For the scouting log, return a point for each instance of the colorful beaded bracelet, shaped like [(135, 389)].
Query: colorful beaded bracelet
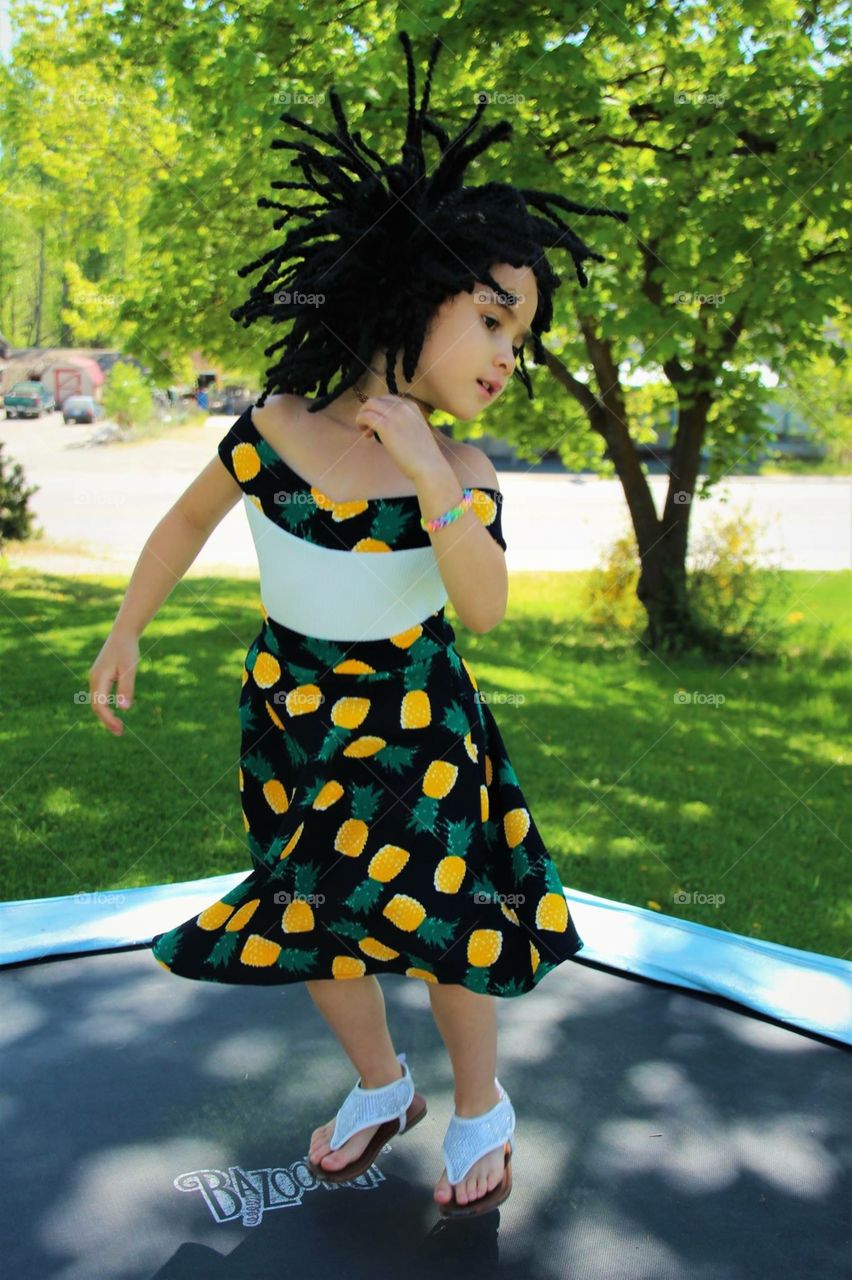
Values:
[(449, 516)]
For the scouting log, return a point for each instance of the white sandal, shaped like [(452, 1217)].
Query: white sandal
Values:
[(397, 1104), (467, 1140)]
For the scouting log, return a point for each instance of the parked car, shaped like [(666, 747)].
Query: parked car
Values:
[(237, 399), (81, 409), (28, 400)]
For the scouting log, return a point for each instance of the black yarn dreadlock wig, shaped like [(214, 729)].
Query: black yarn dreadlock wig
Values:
[(389, 243)]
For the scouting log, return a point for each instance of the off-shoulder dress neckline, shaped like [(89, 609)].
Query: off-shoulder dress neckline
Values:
[(397, 497)]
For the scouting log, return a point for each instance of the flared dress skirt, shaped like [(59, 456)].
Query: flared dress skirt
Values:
[(387, 829)]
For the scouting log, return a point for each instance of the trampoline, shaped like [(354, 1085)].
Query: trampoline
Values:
[(681, 1095)]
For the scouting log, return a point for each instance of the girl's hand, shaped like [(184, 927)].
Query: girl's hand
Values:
[(403, 431), (117, 660)]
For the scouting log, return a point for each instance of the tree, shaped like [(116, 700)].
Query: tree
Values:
[(721, 129)]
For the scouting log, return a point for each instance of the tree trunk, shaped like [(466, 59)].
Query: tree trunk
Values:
[(672, 627)]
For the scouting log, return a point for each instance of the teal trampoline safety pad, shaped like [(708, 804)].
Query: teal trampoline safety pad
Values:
[(802, 989)]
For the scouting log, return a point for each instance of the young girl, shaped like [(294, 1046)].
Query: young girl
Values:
[(386, 827)]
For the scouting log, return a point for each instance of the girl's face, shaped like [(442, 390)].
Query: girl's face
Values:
[(471, 337)]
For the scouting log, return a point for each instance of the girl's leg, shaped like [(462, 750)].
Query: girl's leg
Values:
[(355, 1010), (467, 1022)]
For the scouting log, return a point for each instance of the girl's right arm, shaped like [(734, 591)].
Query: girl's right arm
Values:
[(170, 550)]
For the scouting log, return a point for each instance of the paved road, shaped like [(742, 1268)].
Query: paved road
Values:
[(98, 505)]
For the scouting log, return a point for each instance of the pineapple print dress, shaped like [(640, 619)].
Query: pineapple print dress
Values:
[(386, 827)]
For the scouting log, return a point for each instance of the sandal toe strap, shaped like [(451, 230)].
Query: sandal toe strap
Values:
[(363, 1108), (469, 1138)]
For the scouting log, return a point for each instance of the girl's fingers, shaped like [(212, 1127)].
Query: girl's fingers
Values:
[(99, 691)]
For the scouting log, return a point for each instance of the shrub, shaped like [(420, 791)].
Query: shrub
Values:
[(16, 518)]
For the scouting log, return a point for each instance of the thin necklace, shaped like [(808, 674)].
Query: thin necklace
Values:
[(360, 394)]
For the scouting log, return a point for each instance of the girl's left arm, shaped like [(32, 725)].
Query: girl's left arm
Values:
[(471, 562)]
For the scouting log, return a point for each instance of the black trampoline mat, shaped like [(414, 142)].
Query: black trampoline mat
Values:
[(157, 1127)]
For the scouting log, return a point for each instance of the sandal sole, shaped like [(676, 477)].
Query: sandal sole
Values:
[(415, 1113)]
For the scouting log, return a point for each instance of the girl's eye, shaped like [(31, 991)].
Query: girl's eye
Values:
[(516, 351)]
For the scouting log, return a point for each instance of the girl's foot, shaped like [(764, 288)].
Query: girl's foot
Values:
[(482, 1177), (320, 1149)]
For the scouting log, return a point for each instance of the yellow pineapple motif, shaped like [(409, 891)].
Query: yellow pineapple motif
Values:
[(469, 671), (534, 956), (439, 779), (351, 835), (509, 913), (273, 714), (516, 824), (347, 967), (483, 947), (246, 461), (387, 863), (367, 745), (371, 544), (449, 874), (421, 973), (489, 770), (275, 796), (259, 952), (552, 913), (470, 747), (245, 676), (353, 667), (266, 670), (246, 823), (242, 777), (377, 950), (303, 700), (298, 917), (484, 506), (451, 870), (346, 510), (350, 712), (404, 911), (329, 795), (415, 711), (215, 916), (242, 917), (292, 842), (484, 804), (405, 639)]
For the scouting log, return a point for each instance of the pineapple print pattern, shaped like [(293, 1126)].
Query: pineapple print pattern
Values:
[(385, 824)]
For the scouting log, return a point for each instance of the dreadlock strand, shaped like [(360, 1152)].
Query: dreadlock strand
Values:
[(388, 244)]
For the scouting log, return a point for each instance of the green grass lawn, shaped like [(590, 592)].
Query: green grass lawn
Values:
[(640, 795)]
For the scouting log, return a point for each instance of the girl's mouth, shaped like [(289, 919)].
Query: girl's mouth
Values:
[(488, 391)]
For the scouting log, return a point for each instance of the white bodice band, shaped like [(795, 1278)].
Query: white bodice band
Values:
[(342, 595)]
